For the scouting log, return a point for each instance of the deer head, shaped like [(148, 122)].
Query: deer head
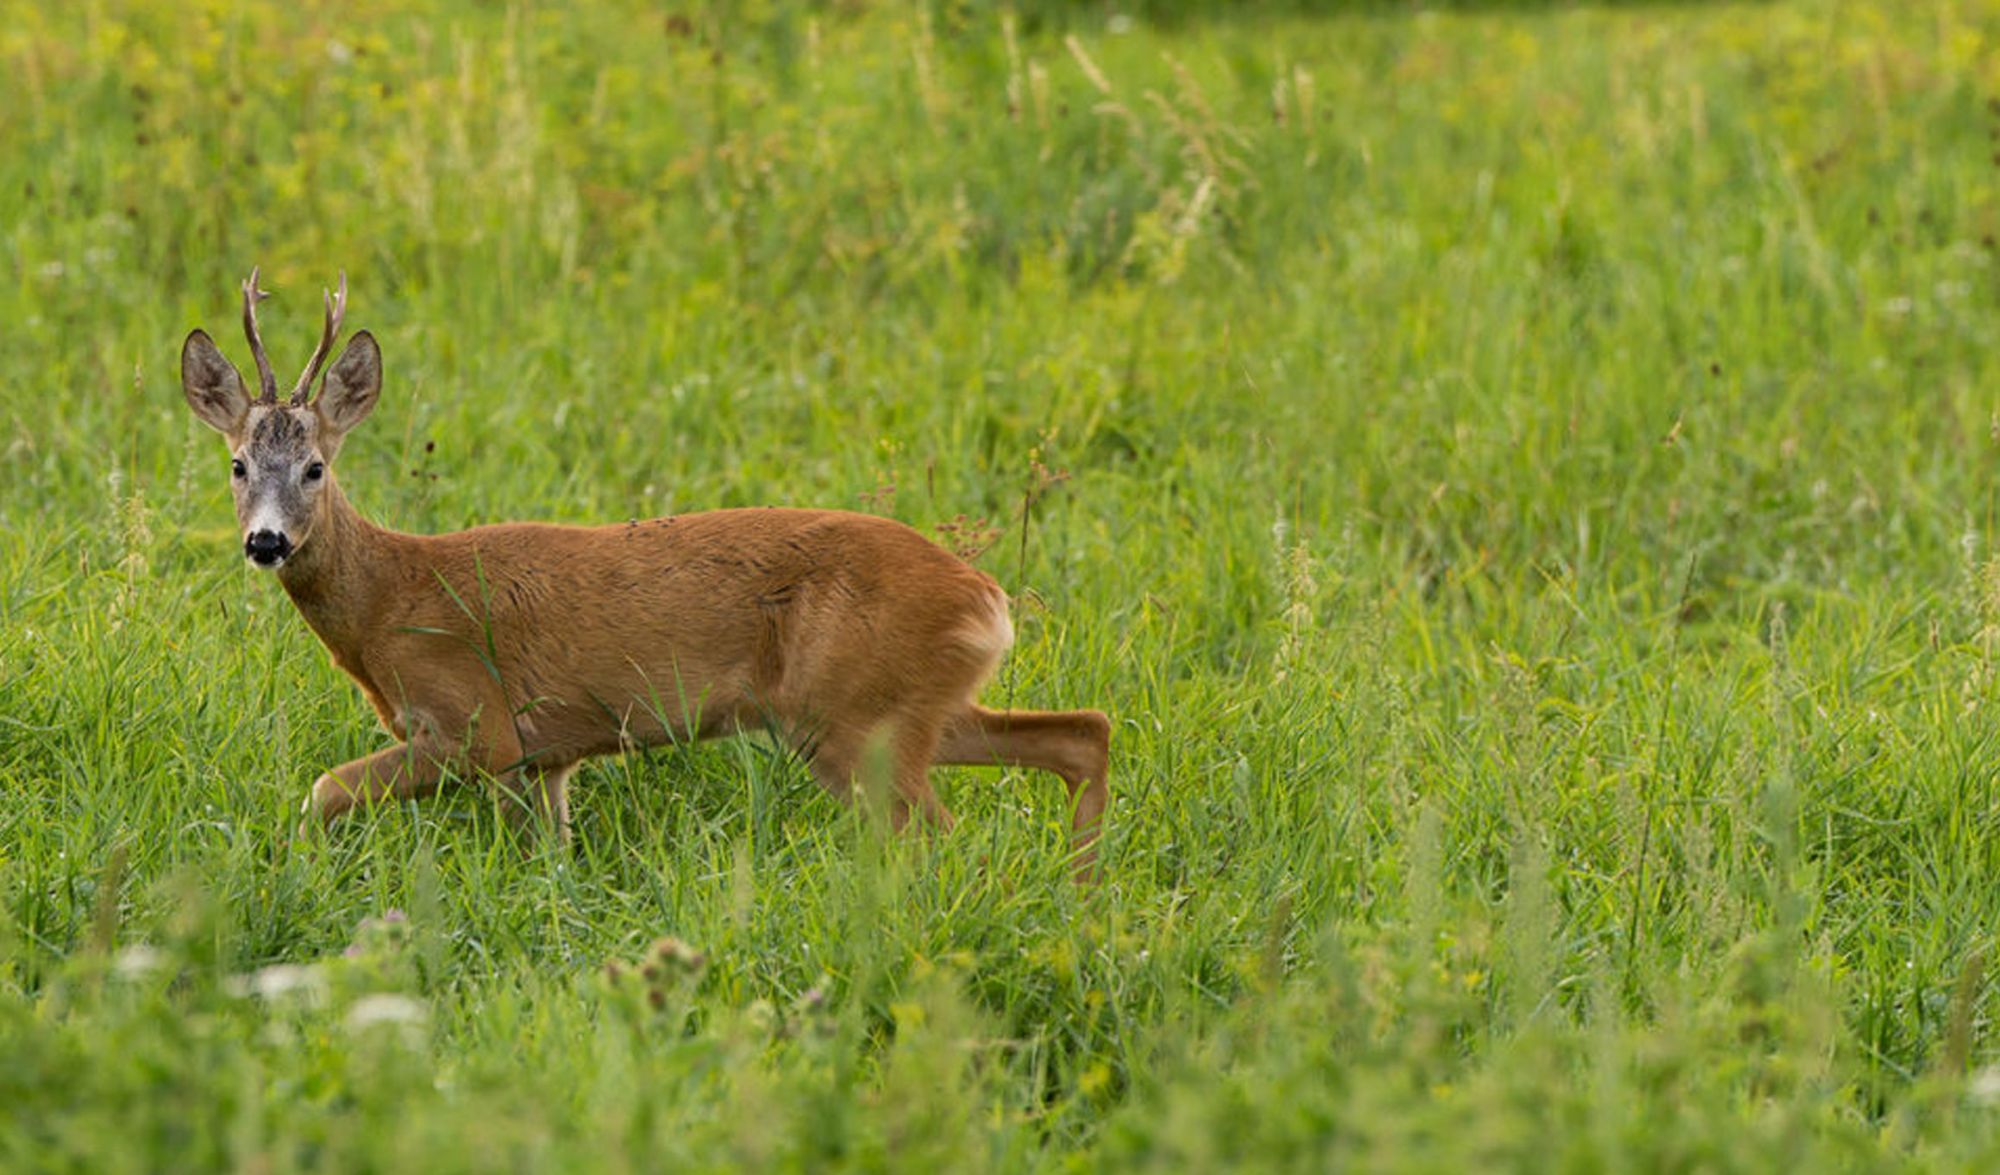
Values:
[(280, 452)]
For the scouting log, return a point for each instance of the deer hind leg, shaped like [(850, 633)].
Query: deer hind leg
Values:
[(912, 750), (1074, 744), (911, 744)]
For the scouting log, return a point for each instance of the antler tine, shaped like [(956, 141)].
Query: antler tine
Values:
[(336, 309), (267, 378)]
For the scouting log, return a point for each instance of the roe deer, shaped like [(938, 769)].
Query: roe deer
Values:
[(518, 649)]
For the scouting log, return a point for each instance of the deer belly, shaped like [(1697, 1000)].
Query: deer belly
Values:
[(632, 714)]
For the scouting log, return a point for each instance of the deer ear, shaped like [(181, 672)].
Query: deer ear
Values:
[(213, 388), (351, 387)]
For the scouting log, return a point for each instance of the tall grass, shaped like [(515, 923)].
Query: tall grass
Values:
[(1520, 477)]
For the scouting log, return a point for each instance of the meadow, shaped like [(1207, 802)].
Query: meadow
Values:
[(1520, 477)]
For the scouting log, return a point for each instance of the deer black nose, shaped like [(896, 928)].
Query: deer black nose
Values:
[(266, 548)]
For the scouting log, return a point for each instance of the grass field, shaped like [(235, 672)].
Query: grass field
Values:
[(1522, 479)]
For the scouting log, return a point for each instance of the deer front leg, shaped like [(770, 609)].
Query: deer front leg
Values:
[(406, 771), (442, 738), (538, 797)]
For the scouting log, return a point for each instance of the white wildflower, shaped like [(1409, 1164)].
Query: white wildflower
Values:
[(407, 1017), (137, 961), (282, 982)]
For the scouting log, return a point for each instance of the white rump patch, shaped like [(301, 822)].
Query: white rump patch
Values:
[(992, 633)]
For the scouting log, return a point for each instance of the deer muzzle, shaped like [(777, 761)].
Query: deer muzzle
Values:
[(266, 548)]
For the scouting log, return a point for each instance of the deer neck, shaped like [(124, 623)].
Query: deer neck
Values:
[(336, 577)]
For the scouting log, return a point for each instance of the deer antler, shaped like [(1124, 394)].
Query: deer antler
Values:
[(336, 309), (265, 376)]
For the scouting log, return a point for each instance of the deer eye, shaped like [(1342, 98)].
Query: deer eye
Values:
[(236, 469), (315, 471)]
